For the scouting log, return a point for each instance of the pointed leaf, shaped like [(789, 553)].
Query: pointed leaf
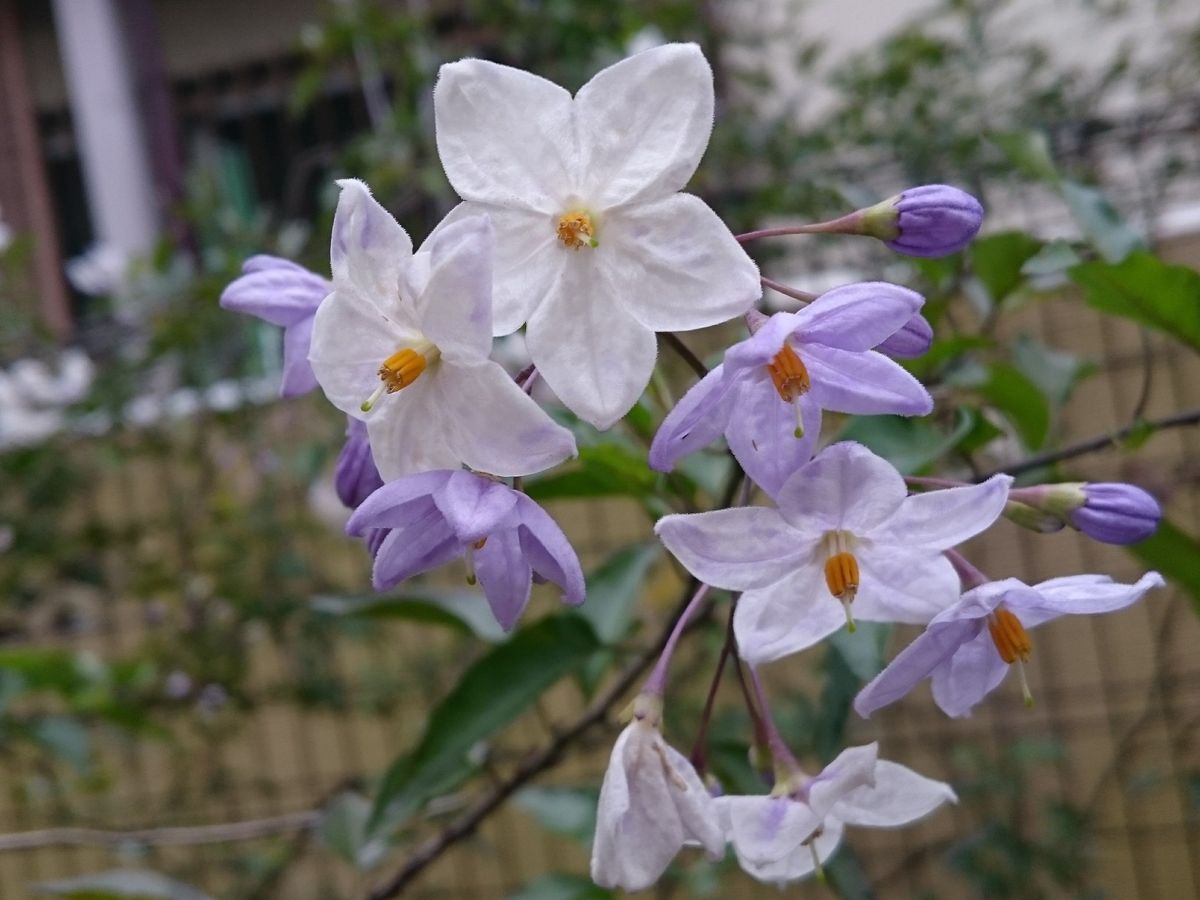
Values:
[(1147, 290)]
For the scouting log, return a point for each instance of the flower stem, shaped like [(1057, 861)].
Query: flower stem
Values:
[(779, 749), (780, 287), (673, 341), (847, 224), (698, 758), (970, 576), (658, 678)]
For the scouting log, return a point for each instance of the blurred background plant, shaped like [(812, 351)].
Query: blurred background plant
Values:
[(190, 655)]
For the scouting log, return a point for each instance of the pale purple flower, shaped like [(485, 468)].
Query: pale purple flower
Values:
[(844, 530), (930, 220), (789, 834), (285, 294), (768, 394), (652, 803), (969, 648), (1116, 513), (355, 476), (434, 517)]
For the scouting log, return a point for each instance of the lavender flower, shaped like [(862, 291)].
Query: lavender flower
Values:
[(911, 341), (1116, 513), (285, 294), (930, 220), (433, 517), (968, 648), (355, 476), (768, 394)]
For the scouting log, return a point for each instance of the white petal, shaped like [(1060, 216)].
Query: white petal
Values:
[(739, 548), (799, 864), (899, 796), (768, 829), (368, 248), (970, 675), (505, 136), (406, 432), (350, 340), (527, 260), (675, 266), (899, 586), (592, 353), (695, 805), (455, 306), (1080, 595), (493, 426), (849, 771), (643, 124), (846, 486), (786, 617), (938, 520)]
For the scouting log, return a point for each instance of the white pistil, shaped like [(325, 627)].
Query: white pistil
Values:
[(469, 559), (799, 432), (369, 403), (1025, 692)]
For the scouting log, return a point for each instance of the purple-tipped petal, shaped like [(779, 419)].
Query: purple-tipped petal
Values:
[(355, 476), (857, 317), (388, 507), (911, 341), (696, 421), (935, 220), (275, 290), (549, 551), (420, 544), (474, 506), (1116, 513), (863, 383), (504, 575)]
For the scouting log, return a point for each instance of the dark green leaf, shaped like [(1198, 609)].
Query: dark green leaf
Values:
[(613, 591), (1028, 152), (121, 884), (603, 470), (491, 693), (1011, 392), (909, 444), (343, 828), (997, 260), (1173, 552), (1147, 290), (1053, 259), (562, 810), (1100, 222), (863, 650), (847, 876), (465, 611), (1054, 372)]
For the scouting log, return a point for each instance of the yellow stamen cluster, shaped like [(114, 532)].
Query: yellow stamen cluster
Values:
[(841, 570), (401, 369), (575, 229), (789, 374), (1009, 636)]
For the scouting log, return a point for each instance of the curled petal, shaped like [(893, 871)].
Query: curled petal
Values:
[(1079, 595), (275, 290), (424, 542), (549, 551), (474, 506), (388, 507), (911, 341), (800, 864), (697, 420), (760, 348), (857, 317), (851, 770), (505, 576), (765, 829), (898, 797)]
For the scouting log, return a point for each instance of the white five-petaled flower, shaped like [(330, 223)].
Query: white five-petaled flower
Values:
[(652, 802), (787, 835), (844, 530), (403, 342), (595, 247)]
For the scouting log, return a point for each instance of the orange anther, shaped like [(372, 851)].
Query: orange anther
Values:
[(401, 369), (1009, 636), (841, 575), (789, 374)]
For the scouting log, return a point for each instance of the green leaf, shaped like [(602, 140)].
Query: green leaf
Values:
[(909, 444), (613, 590), (1173, 552), (343, 828), (560, 886), (121, 884), (997, 260), (569, 811), (463, 611), (1028, 152), (1021, 401), (1054, 372), (603, 470), (847, 875), (1053, 259), (1147, 290), (64, 737), (491, 693), (1100, 222), (863, 650)]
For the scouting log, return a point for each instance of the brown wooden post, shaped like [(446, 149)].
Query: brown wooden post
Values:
[(24, 192)]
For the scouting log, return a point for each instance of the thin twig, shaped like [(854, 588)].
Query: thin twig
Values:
[(222, 833), (794, 293), (673, 341), (1091, 445)]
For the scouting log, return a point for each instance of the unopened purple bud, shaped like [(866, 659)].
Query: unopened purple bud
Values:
[(355, 476), (1116, 513), (930, 220), (911, 341)]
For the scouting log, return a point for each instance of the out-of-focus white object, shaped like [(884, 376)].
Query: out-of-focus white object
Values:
[(34, 394), (103, 271)]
